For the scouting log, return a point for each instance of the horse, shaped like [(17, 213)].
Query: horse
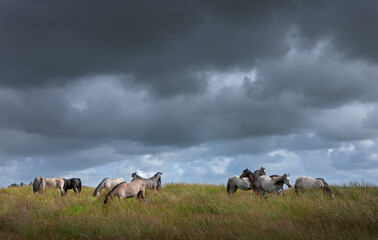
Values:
[(281, 190), (306, 183), (40, 183), (260, 172), (273, 185), (73, 183), (252, 178), (128, 190), (153, 182), (236, 182), (107, 183)]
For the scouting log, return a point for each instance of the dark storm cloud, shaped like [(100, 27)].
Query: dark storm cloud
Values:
[(88, 83), (160, 43), (163, 43), (349, 23)]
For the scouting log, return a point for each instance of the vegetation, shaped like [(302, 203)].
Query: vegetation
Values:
[(190, 211)]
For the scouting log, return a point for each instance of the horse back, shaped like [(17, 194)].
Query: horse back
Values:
[(308, 183), (137, 186)]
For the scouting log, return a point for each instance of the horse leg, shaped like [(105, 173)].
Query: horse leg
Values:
[(256, 190), (262, 192), (143, 195)]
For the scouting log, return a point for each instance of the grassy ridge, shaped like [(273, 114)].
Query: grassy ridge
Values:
[(187, 211)]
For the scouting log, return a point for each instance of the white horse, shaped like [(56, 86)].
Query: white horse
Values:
[(236, 182), (307, 183), (273, 185), (40, 183), (108, 184)]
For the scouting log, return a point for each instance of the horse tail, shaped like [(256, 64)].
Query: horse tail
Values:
[(99, 187), (38, 181), (65, 187), (80, 185), (326, 187), (228, 187), (111, 192), (158, 183)]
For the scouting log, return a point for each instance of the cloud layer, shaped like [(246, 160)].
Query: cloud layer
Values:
[(198, 90)]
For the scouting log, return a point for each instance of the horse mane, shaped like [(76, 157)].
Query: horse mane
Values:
[(326, 186), (249, 173), (98, 187), (280, 180), (37, 183), (111, 192), (136, 176)]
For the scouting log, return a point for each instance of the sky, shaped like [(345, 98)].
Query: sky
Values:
[(199, 90)]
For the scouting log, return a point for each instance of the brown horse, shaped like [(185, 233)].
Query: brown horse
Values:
[(128, 190), (253, 178)]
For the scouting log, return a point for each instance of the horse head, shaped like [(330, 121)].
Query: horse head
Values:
[(245, 173), (287, 180)]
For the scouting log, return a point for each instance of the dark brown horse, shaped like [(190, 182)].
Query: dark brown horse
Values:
[(253, 178)]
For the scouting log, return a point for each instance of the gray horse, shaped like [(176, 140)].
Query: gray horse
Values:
[(236, 182), (40, 183), (273, 185), (307, 183), (152, 182), (107, 183)]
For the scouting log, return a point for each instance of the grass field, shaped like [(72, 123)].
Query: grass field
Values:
[(190, 211)]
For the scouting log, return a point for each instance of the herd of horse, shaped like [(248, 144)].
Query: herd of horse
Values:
[(261, 183), (119, 187), (258, 181)]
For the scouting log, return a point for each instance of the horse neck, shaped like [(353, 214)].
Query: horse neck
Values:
[(326, 186), (101, 185), (155, 177), (252, 176), (258, 172), (280, 181)]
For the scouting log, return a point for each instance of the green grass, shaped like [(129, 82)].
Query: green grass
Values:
[(191, 211)]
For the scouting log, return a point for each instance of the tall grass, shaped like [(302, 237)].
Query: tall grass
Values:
[(191, 211)]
